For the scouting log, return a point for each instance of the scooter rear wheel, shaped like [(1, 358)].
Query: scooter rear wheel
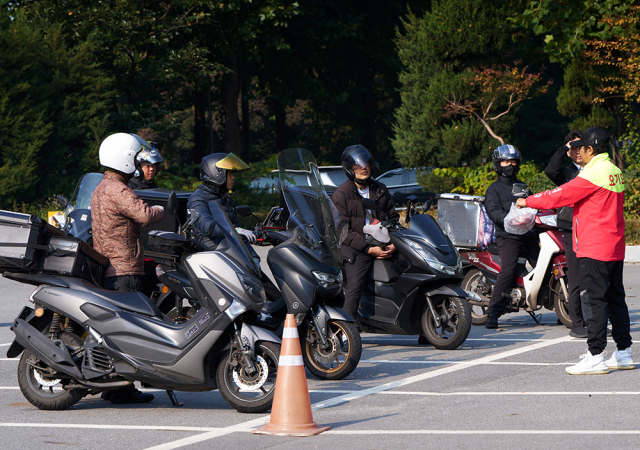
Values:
[(471, 283), (455, 323), (44, 390)]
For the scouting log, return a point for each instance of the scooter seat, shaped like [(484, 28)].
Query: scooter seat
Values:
[(129, 301)]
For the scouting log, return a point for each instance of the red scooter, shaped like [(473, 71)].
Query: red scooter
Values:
[(544, 286)]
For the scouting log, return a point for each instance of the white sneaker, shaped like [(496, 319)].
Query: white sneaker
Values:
[(589, 365), (621, 360)]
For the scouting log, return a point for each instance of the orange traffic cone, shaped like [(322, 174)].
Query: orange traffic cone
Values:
[(291, 411)]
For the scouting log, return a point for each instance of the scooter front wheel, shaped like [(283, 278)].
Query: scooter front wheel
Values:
[(249, 392), (454, 315), (341, 355)]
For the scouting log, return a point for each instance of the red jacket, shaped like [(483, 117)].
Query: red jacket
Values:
[(597, 195)]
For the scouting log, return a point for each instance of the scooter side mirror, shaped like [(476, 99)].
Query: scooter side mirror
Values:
[(172, 203), (64, 202), (520, 190), (427, 206), (244, 211)]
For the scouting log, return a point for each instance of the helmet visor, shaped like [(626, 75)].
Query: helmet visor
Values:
[(149, 156), (232, 162), (360, 159)]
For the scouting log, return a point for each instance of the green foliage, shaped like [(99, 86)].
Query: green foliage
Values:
[(630, 152), (438, 52), (53, 106), (566, 24), (476, 180)]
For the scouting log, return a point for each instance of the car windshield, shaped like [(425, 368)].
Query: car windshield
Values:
[(315, 224)]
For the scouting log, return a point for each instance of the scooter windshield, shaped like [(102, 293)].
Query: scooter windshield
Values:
[(234, 241), (314, 222), (81, 198)]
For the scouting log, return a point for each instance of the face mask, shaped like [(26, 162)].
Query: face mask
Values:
[(510, 171)]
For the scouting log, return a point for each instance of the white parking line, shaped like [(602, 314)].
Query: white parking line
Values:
[(4, 345), (363, 393), (480, 394), (382, 361), (522, 432), (109, 427)]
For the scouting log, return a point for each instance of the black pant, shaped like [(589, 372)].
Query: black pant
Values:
[(579, 311), (602, 288), (509, 251), (355, 280), (124, 283)]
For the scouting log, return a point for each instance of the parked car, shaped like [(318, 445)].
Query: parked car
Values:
[(332, 177), (402, 183)]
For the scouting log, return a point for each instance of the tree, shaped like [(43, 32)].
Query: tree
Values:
[(53, 106), (491, 86), (443, 52)]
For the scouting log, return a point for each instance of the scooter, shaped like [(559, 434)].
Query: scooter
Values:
[(305, 263), (79, 339), (416, 290), (544, 286)]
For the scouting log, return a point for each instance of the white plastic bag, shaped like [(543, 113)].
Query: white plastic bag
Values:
[(519, 220)]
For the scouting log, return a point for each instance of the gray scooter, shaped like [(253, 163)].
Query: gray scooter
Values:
[(128, 339)]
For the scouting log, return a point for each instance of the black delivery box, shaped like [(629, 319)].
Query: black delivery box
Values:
[(23, 238), (73, 257)]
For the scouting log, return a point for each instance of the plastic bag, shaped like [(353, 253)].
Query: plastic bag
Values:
[(519, 220), (486, 229)]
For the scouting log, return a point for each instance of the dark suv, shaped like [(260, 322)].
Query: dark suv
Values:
[(402, 183)]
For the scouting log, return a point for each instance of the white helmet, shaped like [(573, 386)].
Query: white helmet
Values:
[(119, 151)]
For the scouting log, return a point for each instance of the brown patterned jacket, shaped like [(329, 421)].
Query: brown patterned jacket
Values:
[(116, 215)]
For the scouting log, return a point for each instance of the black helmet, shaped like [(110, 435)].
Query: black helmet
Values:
[(357, 155), (213, 168), (151, 156), (504, 153)]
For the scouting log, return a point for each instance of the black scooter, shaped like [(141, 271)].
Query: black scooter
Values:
[(305, 263), (416, 290)]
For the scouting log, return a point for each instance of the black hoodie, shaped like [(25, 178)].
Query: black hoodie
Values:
[(497, 202)]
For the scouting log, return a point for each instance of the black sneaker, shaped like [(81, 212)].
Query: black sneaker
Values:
[(492, 322), (106, 395), (579, 333), (130, 395)]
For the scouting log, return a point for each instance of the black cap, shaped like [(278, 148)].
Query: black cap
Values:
[(592, 137)]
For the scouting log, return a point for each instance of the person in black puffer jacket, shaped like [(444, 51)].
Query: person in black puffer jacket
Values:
[(217, 175), (578, 311), (498, 200), (358, 165)]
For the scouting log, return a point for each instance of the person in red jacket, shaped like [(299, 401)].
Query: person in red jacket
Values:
[(597, 196)]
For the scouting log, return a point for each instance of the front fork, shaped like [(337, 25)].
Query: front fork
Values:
[(247, 351)]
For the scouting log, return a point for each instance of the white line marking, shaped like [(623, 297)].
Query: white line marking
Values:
[(473, 394), (382, 361), (437, 372), (522, 432), (10, 359), (110, 427), (4, 345), (362, 393)]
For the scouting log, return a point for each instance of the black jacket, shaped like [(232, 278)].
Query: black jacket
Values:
[(561, 175), (206, 229), (348, 202), (141, 183), (497, 202)]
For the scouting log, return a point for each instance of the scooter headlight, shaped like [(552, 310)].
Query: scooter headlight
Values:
[(432, 260), (251, 287), (327, 280)]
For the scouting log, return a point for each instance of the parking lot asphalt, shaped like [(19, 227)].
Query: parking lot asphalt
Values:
[(504, 388)]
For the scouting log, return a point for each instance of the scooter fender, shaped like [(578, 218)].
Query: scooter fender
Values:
[(322, 314), (252, 334), (449, 290)]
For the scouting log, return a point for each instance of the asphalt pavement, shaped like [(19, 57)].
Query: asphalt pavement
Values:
[(504, 388)]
